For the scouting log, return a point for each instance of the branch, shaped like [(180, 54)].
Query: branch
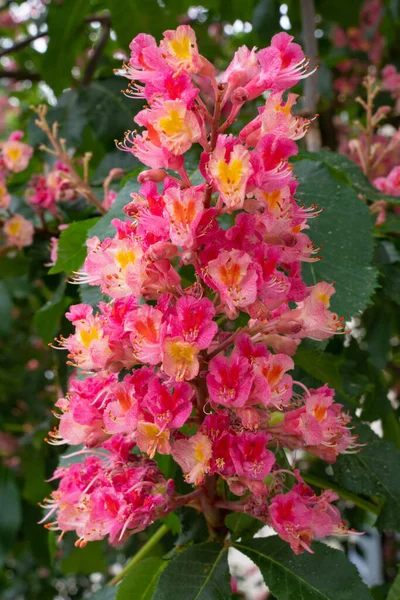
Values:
[(159, 534), (313, 139), (18, 45), (58, 148), (100, 18), (98, 51), (19, 75)]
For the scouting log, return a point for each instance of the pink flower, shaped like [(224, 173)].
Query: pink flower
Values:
[(234, 277), (180, 358), (321, 425), (170, 409), (177, 128), (180, 50), (15, 154), (229, 169), (193, 455), (299, 516), (276, 118), (117, 265), (19, 231), (390, 184), (192, 320), (5, 197), (144, 325), (89, 346), (229, 381), (242, 68), (250, 457), (269, 162), (183, 210)]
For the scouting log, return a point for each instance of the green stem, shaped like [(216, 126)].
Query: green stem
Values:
[(145, 549), (325, 485)]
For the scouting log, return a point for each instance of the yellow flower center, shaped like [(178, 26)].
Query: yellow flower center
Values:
[(14, 227), (199, 453), (230, 173), (182, 352), (13, 153), (88, 335), (324, 298), (124, 257), (171, 124), (284, 109), (181, 48)]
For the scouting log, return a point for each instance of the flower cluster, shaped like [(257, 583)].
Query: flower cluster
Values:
[(391, 83), (390, 184), (207, 306), (14, 158), (114, 494), (45, 191), (363, 39)]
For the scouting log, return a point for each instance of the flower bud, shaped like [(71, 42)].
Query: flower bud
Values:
[(239, 96), (156, 175)]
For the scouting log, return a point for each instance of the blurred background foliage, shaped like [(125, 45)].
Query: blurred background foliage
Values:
[(64, 53)]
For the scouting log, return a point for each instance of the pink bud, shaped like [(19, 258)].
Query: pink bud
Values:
[(156, 175), (239, 96)]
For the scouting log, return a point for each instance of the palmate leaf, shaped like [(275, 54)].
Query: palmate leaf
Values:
[(344, 232), (242, 525), (103, 228), (199, 573), (324, 575), (72, 247), (374, 472), (350, 172)]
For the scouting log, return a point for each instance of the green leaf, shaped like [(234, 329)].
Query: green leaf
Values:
[(265, 19), (344, 231), (85, 561), (65, 23), (131, 18), (199, 573), (72, 246), (93, 116), (107, 593), (374, 471), (11, 514), (193, 526), (324, 575), (35, 486), (107, 111), (322, 366), (140, 581), (103, 228), (48, 316), (348, 171), (242, 525), (394, 592), (91, 294), (6, 306), (11, 267)]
